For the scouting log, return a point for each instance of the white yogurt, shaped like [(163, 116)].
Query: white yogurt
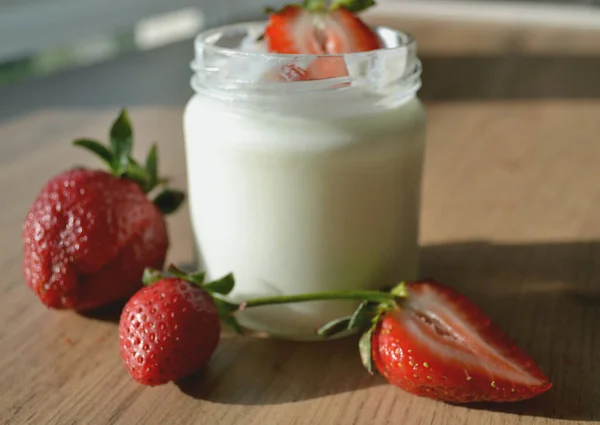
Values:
[(298, 197)]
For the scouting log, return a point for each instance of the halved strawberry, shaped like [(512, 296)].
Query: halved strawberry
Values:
[(314, 29), (438, 344), (431, 341)]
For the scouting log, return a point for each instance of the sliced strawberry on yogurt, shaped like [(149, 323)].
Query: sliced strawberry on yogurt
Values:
[(312, 28)]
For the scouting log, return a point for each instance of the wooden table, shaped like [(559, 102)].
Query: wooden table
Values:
[(511, 216)]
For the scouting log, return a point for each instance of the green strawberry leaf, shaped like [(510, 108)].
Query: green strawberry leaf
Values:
[(138, 174), (399, 291), (353, 5), (121, 141), (365, 349), (152, 168), (197, 278), (169, 200), (133, 161), (97, 148), (118, 157), (177, 272), (221, 286), (226, 310), (334, 327), (362, 316), (151, 276), (233, 324), (225, 306), (314, 5)]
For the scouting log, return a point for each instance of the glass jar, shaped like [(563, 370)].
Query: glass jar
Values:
[(301, 186)]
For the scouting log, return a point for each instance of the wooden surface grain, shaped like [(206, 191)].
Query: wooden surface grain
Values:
[(511, 217)]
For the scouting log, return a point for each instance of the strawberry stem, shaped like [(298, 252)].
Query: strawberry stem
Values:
[(322, 6), (372, 296), (373, 305), (352, 5), (315, 5), (366, 315)]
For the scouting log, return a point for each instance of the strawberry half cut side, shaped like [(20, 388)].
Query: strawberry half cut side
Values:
[(438, 344), (427, 339)]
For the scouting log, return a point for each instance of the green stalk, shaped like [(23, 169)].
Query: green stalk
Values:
[(373, 296)]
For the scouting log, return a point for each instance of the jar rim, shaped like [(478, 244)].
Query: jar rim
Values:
[(226, 68), (205, 41)]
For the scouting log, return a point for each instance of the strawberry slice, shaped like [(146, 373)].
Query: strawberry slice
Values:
[(344, 32), (291, 31), (312, 29), (438, 344), (431, 341)]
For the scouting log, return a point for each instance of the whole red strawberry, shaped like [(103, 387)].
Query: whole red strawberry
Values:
[(170, 329), (89, 233)]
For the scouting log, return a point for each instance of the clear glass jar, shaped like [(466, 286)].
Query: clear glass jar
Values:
[(298, 186)]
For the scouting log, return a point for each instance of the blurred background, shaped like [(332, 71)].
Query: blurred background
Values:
[(38, 37)]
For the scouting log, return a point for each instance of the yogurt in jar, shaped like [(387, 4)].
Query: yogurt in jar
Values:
[(304, 186)]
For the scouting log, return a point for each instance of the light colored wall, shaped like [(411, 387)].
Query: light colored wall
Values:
[(28, 26)]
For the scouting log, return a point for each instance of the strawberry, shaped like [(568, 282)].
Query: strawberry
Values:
[(423, 337), (170, 328), (313, 28), (431, 341), (438, 344), (89, 234)]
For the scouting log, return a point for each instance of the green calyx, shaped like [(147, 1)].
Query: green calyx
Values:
[(315, 5), (322, 6), (355, 6), (364, 319), (217, 289), (117, 155)]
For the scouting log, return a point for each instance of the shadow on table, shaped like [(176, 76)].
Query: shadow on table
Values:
[(110, 313), (509, 77), (550, 284), (247, 371), (555, 286)]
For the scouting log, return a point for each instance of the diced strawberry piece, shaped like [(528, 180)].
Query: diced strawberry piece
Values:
[(327, 67)]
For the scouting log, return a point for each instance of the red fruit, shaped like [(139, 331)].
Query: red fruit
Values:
[(167, 331), (88, 238), (344, 32), (438, 344), (89, 234), (302, 30)]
